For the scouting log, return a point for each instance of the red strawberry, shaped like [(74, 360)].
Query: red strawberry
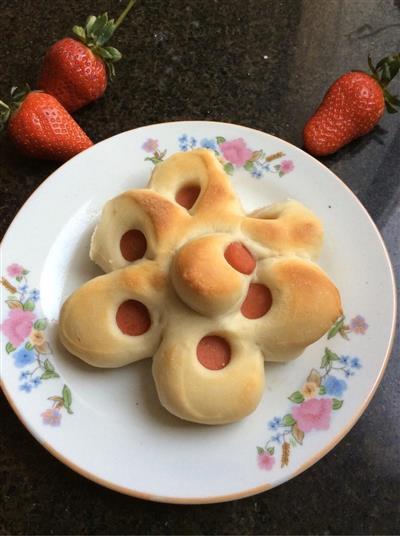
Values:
[(40, 127), (352, 107), (73, 74), (75, 71)]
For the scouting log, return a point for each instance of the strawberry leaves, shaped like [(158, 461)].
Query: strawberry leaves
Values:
[(18, 95), (4, 114), (97, 32), (384, 72)]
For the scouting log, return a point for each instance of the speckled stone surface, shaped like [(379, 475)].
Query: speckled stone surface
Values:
[(260, 63)]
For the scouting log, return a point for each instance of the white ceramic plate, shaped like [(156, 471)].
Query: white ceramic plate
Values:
[(108, 424)]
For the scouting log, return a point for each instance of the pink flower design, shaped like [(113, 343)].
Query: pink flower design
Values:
[(314, 413), (15, 270), (286, 166), (358, 325), (18, 326), (150, 145), (236, 151), (265, 461), (52, 417)]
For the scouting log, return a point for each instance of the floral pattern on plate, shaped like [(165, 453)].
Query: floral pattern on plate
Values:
[(25, 333), (321, 394), (233, 154)]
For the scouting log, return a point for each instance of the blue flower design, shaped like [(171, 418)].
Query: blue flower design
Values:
[(23, 288), (278, 438), (23, 357), (183, 142), (355, 363), (24, 375), (208, 143), (256, 173), (25, 387), (344, 359), (193, 142), (35, 295), (348, 373), (266, 167), (334, 386), (36, 382), (275, 423)]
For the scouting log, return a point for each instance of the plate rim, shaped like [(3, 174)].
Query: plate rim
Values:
[(313, 459)]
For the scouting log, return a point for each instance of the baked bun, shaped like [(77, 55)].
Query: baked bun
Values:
[(207, 290)]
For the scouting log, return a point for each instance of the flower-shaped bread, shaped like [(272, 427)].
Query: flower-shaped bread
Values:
[(207, 290)]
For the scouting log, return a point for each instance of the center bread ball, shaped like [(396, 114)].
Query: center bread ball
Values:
[(206, 290)]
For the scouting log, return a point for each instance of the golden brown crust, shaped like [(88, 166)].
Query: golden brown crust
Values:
[(88, 326), (197, 167), (167, 218), (192, 392), (286, 228), (305, 305), (202, 277), (157, 218)]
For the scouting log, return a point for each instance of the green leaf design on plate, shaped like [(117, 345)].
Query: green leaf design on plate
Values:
[(49, 366), (324, 361), (29, 305), (337, 326), (322, 390), (271, 450), (228, 167), (9, 348), (29, 346), (154, 159), (40, 324), (67, 398), (337, 404), (220, 139), (49, 374), (328, 357), (296, 397), (288, 420), (331, 355), (249, 166), (260, 451)]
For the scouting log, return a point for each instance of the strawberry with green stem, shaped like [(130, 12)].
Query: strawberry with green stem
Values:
[(352, 107), (74, 71), (40, 127)]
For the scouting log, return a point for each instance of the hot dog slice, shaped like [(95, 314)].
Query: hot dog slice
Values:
[(133, 245), (213, 352), (187, 195), (240, 258), (133, 318), (257, 302)]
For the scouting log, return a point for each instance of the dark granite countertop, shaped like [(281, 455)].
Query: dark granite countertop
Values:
[(259, 63)]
